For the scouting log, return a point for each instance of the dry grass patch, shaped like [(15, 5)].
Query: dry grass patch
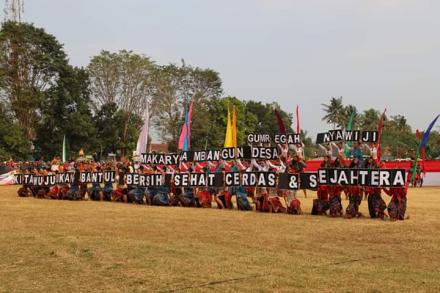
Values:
[(97, 246)]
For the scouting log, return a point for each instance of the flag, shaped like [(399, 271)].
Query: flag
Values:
[(64, 149), (281, 126), (349, 127), (188, 127), (141, 146), (185, 133), (297, 120), (8, 178), (228, 136), (418, 134), (379, 133), (425, 137), (234, 126), (185, 126)]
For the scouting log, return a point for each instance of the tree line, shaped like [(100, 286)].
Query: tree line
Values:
[(99, 108)]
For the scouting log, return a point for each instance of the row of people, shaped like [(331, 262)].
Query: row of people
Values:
[(328, 199)]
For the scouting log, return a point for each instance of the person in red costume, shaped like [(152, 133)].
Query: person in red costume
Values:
[(376, 204), (354, 193), (321, 204), (397, 205), (335, 204)]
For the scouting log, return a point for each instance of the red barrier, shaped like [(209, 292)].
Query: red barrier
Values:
[(428, 166)]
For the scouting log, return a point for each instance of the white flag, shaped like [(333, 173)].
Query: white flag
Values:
[(141, 146)]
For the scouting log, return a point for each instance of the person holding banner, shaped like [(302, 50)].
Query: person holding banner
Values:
[(53, 192), (338, 150), (73, 193), (188, 194), (95, 192), (326, 150), (321, 203), (376, 204), (120, 194), (25, 190), (42, 190), (160, 193), (263, 201), (335, 202), (356, 152), (372, 149), (203, 194), (240, 191), (223, 197), (354, 195), (296, 166), (108, 188)]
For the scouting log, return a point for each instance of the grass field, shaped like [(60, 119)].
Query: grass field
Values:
[(97, 246)]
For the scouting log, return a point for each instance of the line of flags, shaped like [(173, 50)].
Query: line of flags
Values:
[(184, 143)]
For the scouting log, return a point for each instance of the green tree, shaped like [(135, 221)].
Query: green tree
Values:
[(174, 88), (397, 137), (66, 112), (110, 133), (30, 64), (13, 142)]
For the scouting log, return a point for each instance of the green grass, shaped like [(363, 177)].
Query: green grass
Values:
[(48, 245)]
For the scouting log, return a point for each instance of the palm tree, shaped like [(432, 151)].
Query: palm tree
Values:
[(334, 111)]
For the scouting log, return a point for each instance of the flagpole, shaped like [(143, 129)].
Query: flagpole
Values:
[(64, 149)]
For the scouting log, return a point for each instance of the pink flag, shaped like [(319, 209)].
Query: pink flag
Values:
[(182, 136), (185, 131), (189, 124)]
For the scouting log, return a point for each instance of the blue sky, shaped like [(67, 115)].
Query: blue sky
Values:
[(373, 53)]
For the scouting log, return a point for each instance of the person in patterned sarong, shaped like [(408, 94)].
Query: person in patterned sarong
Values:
[(376, 205), (335, 204), (397, 205), (321, 204), (354, 193), (355, 198)]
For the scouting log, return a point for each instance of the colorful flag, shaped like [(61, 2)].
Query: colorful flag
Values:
[(141, 146), (185, 133), (425, 137), (281, 126), (347, 146), (234, 126), (228, 136)]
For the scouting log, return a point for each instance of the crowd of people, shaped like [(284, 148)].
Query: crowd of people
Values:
[(328, 199)]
